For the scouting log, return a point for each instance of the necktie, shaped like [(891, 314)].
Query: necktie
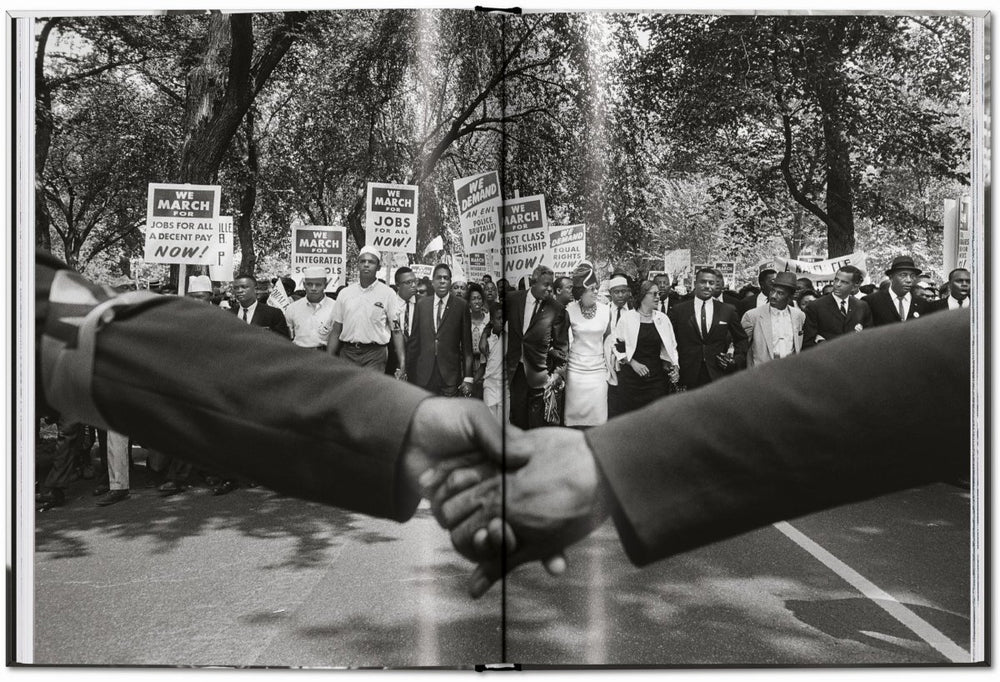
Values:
[(843, 308), (663, 306), (704, 321), (618, 316), (244, 314), (437, 320), (538, 304), (406, 319), (902, 314)]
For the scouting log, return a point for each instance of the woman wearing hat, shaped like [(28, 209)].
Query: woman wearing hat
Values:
[(586, 380), (645, 351)]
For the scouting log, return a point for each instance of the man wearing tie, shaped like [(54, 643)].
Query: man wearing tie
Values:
[(838, 312), (959, 284), (254, 312), (897, 304), (406, 301), (774, 328), (537, 345), (618, 288), (667, 295), (439, 347), (705, 330)]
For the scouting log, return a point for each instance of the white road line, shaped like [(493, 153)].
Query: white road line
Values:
[(918, 625)]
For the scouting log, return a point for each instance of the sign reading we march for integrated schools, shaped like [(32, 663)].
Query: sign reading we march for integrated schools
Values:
[(567, 247), (319, 246), (525, 236), (391, 217), (479, 202), (182, 224)]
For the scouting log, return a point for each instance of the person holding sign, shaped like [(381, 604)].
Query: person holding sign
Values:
[(366, 319), (310, 319)]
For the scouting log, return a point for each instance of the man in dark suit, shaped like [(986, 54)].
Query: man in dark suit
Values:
[(537, 347), (838, 312), (897, 304), (439, 349), (668, 296), (255, 312), (959, 285), (673, 480), (710, 339)]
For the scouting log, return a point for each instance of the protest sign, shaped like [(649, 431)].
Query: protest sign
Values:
[(391, 217), (567, 247), (278, 298), (728, 270), (222, 269), (525, 236), (820, 271), (477, 266), (181, 224), (479, 202), (421, 270), (322, 246), (677, 264)]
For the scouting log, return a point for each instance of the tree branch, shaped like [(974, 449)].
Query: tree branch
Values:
[(786, 172)]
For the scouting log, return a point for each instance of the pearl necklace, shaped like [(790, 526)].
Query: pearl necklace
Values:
[(589, 313)]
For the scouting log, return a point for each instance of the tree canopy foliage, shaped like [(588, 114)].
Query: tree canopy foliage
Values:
[(734, 136)]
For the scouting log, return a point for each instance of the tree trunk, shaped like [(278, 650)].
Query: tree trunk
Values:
[(839, 193), (43, 137), (244, 225)]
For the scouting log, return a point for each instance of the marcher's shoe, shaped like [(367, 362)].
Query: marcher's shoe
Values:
[(170, 488), (51, 499), (113, 497), (101, 489), (224, 488)]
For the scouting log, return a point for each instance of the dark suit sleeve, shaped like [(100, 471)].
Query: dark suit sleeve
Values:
[(866, 315), (413, 345), (741, 341), (801, 434), (811, 327), (467, 343), (559, 350), (180, 376), (280, 324)]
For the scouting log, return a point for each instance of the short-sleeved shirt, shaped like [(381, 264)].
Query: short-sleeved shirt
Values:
[(366, 314), (310, 323)]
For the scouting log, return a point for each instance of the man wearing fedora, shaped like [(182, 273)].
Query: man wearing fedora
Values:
[(837, 312), (897, 304), (775, 327), (310, 319)]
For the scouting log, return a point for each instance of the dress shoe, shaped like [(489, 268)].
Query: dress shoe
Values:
[(51, 499), (224, 488), (102, 489), (170, 488), (113, 497)]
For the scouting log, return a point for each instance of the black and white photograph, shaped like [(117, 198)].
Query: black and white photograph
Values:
[(462, 338)]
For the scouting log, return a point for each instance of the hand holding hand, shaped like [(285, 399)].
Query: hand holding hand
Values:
[(639, 368)]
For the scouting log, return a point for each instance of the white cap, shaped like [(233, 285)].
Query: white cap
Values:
[(198, 284), (315, 272), (370, 250), (617, 282)]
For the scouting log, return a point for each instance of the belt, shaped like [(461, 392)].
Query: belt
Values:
[(363, 346)]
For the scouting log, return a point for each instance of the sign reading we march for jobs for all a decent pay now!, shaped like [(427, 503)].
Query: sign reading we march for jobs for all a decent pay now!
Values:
[(319, 246), (391, 217), (182, 224), (525, 236)]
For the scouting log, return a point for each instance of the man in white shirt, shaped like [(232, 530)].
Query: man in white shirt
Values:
[(310, 319), (365, 319), (959, 285), (774, 328)]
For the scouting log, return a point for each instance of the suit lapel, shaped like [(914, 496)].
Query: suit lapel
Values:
[(765, 322)]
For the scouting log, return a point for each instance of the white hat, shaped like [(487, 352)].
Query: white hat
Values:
[(199, 284), (370, 250), (617, 282), (315, 272)]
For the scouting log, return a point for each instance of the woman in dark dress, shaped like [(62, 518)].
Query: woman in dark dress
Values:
[(646, 351)]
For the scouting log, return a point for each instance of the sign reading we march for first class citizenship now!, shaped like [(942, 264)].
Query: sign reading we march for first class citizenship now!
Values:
[(525, 236), (391, 217), (181, 224), (319, 246)]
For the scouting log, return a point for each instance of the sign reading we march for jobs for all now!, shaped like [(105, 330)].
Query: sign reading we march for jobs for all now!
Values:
[(525, 236), (319, 246), (181, 224), (391, 217)]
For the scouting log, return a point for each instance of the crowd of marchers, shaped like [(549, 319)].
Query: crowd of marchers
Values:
[(569, 350)]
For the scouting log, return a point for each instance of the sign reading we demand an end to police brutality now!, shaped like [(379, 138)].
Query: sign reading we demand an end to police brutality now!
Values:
[(391, 217), (182, 224), (525, 236), (479, 202), (319, 246)]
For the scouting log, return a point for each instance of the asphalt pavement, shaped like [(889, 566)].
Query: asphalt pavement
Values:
[(254, 578)]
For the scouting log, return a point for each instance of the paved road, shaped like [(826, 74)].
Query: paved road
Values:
[(254, 578)]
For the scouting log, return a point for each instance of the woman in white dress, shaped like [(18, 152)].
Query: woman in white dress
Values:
[(586, 380)]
